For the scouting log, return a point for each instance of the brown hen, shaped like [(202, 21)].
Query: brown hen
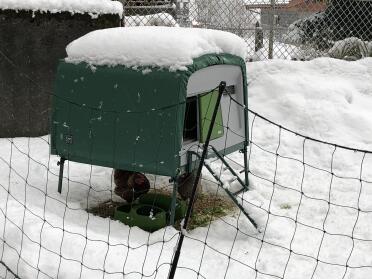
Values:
[(130, 185)]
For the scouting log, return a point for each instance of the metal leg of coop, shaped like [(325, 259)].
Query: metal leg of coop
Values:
[(61, 165), (174, 201)]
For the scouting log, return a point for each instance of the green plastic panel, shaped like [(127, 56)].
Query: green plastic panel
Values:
[(118, 117), (207, 104), (124, 118)]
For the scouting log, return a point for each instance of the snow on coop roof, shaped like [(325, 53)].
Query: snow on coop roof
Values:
[(166, 47), (74, 6)]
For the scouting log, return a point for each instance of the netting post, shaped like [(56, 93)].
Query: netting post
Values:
[(185, 222), (174, 201), (61, 165), (246, 138), (258, 37)]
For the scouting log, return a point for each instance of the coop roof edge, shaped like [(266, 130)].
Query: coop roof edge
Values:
[(198, 63)]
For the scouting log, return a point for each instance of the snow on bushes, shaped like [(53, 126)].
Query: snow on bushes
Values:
[(351, 48)]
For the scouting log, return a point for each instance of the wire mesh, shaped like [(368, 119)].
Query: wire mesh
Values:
[(284, 29), (310, 198)]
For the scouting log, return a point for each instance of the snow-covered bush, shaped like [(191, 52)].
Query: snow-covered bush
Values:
[(310, 31), (351, 48)]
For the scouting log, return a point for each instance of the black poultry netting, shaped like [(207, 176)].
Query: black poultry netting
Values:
[(307, 211), (309, 199)]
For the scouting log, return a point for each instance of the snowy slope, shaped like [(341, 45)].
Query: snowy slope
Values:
[(324, 98), (167, 47), (72, 6)]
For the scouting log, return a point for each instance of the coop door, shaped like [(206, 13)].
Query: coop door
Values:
[(190, 126), (207, 104)]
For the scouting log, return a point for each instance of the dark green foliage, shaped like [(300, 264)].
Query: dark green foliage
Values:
[(342, 19)]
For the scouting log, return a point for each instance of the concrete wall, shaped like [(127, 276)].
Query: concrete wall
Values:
[(31, 45)]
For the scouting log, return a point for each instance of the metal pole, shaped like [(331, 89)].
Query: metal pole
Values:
[(271, 35), (174, 201), (172, 271), (246, 129), (61, 165)]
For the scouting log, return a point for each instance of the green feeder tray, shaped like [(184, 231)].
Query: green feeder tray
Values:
[(165, 203), (151, 214), (147, 217)]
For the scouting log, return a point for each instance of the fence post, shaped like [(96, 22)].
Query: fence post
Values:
[(258, 37), (271, 34)]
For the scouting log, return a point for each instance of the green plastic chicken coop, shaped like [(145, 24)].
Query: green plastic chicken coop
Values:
[(149, 121)]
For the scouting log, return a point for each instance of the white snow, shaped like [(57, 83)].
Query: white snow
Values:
[(93, 7), (325, 98), (167, 47), (280, 51)]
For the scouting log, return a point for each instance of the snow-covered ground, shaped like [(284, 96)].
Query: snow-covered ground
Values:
[(327, 99), (324, 98), (280, 50)]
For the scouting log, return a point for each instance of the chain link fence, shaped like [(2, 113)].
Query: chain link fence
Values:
[(283, 29)]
